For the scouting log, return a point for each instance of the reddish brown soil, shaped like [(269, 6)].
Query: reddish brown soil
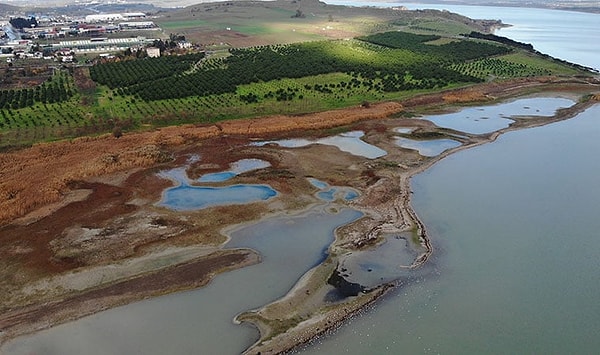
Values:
[(105, 202)]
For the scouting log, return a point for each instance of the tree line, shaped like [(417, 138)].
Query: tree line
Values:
[(56, 89)]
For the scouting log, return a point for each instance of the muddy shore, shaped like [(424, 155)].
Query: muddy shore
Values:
[(100, 210)]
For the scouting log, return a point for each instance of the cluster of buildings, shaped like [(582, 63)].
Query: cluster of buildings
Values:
[(89, 34)]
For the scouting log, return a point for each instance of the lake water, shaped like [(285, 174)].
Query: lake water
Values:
[(515, 270), (568, 35), (387, 262), (237, 168), (330, 193), (201, 321), (514, 228), (428, 148), (187, 197)]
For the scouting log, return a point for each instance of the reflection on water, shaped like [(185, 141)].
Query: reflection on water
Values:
[(487, 119), (428, 148), (348, 142)]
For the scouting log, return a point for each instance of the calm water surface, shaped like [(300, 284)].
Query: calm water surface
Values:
[(350, 142), (201, 321), (487, 119), (330, 193), (514, 225), (428, 148), (187, 197), (237, 168)]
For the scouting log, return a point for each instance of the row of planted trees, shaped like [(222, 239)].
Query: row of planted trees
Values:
[(130, 72), (498, 68), (169, 78), (59, 88), (452, 52)]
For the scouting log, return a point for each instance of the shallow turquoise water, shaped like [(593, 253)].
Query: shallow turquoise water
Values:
[(330, 193), (187, 197)]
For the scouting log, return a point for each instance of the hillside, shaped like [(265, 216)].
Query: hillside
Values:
[(247, 23)]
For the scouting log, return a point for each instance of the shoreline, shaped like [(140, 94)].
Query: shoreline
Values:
[(323, 323), (406, 218)]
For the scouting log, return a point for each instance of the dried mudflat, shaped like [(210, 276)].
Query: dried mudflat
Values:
[(93, 237)]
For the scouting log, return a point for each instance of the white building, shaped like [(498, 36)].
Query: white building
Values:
[(133, 15), (104, 18), (115, 17), (139, 25), (153, 52)]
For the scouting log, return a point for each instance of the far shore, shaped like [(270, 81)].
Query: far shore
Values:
[(109, 186)]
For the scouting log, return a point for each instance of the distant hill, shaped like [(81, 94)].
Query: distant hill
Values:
[(8, 8)]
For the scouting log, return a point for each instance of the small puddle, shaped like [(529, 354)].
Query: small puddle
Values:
[(428, 148), (330, 193), (349, 142)]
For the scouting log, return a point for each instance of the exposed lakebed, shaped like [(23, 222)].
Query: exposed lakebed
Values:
[(289, 244)]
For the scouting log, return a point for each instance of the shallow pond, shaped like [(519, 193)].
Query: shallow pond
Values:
[(330, 193), (387, 262), (487, 119), (187, 197), (349, 142), (237, 168), (428, 148)]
